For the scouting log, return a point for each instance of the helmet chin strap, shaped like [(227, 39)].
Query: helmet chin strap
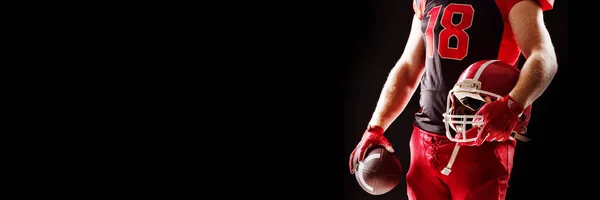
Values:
[(448, 167)]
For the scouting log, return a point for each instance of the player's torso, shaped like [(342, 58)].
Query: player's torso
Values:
[(458, 33)]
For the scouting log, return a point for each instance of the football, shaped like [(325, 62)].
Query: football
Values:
[(379, 172)]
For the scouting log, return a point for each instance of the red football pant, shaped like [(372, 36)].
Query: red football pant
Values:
[(478, 173)]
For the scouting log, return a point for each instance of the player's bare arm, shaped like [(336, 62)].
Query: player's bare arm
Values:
[(402, 81), (527, 22)]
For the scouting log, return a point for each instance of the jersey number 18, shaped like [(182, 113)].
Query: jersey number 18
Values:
[(450, 29)]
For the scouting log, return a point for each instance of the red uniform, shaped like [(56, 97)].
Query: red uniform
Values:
[(456, 34)]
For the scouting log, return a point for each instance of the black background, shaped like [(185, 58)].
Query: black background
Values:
[(251, 100)]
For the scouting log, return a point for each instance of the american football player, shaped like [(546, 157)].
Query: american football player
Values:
[(473, 100)]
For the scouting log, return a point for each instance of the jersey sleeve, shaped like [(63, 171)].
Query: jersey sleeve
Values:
[(419, 7), (546, 4)]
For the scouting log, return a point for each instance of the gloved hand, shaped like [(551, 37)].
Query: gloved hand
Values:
[(499, 120), (373, 136)]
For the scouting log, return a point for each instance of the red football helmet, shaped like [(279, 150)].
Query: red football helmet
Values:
[(482, 82)]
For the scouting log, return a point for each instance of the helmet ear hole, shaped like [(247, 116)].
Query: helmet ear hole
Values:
[(470, 104), (488, 99)]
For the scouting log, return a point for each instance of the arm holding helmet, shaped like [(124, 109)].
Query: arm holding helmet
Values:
[(398, 89), (501, 116)]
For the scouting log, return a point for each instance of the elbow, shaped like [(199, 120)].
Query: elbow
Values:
[(546, 60), (408, 74), (553, 67), (551, 64)]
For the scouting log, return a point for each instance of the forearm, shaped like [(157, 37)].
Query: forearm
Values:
[(537, 73), (527, 22), (397, 91)]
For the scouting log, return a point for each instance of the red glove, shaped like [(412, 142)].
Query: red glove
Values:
[(373, 136), (500, 118)]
